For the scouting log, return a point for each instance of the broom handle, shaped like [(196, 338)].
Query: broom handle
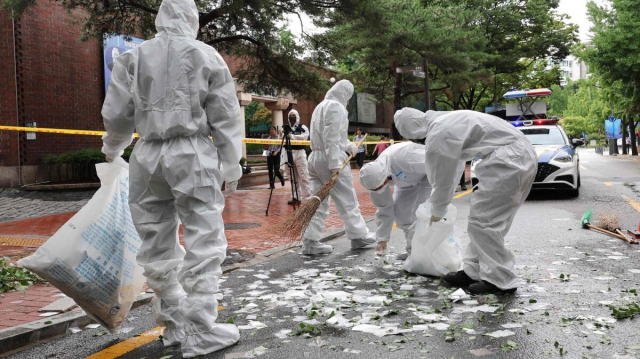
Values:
[(348, 160), (632, 241), (598, 229)]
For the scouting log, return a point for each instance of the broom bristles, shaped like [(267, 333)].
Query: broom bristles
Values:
[(292, 228), (608, 222)]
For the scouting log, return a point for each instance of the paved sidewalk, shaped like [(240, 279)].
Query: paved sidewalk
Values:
[(244, 217), (246, 208)]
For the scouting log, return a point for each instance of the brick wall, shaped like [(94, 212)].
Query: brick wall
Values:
[(8, 140), (61, 85), (61, 80)]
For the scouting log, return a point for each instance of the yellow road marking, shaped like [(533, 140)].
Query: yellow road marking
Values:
[(21, 242), (128, 345), (633, 203), (608, 184), (395, 226), (462, 194), (131, 344)]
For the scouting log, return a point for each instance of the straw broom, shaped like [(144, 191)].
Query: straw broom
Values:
[(292, 228), (610, 223)]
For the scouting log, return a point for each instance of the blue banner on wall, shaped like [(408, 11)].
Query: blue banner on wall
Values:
[(613, 128), (115, 46)]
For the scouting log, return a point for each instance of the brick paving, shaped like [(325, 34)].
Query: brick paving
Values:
[(52, 210), (17, 204)]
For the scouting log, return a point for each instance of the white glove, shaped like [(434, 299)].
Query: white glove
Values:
[(230, 188), (353, 149)]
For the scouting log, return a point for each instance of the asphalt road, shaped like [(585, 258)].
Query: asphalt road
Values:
[(548, 317)]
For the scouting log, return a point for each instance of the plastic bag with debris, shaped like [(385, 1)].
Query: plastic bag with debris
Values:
[(92, 258), (436, 249)]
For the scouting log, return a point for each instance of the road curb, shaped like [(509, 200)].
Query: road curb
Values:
[(18, 338)]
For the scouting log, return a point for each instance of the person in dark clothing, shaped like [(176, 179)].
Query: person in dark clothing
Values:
[(362, 150), (463, 183), (273, 159)]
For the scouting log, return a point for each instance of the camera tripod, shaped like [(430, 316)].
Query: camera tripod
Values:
[(286, 145)]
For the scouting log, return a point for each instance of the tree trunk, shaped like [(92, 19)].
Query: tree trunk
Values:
[(624, 136), (632, 134), (397, 103)]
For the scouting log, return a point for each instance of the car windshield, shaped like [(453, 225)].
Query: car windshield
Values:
[(544, 136)]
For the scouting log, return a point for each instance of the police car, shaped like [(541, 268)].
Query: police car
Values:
[(558, 161)]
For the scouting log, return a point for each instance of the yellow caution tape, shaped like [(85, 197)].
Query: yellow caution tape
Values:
[(274, 142), (101, 133)]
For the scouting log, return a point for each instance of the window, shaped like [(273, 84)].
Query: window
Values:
[(544, 136)]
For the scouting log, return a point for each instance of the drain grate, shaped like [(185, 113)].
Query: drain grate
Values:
[(240, 226), (21, 242)]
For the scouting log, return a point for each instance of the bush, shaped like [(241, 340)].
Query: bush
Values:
[(77, 165), (14, 278), (254, 148)]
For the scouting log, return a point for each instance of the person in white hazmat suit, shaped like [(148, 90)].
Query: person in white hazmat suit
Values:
[(506, 173), (329, 146), (300, 132), (403, 166), (177, 91)]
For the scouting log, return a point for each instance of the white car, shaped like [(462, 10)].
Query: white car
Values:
[(558, 161)]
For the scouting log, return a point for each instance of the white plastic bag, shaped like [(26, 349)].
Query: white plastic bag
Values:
[(436, 250), (92, 258)]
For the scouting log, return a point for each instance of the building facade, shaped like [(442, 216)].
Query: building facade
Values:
[(573, 69), (51, 79)]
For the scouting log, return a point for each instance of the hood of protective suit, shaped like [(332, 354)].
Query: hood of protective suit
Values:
[(178, 18), (294, 112), (341, 92), (373, 174), (411, 123)]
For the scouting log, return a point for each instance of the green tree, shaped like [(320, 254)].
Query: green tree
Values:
[(262, 115), (613, 53), (405, 32), (559, 99), (248, 29), (514, 30)]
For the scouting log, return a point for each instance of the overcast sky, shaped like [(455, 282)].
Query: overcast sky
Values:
[(576, 9)]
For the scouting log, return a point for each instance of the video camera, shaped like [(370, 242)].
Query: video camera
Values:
[(287, 129)]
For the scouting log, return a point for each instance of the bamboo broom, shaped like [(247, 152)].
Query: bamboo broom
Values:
[(292, 228)]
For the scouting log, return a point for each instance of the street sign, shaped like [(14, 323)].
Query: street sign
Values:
[(418, 73), (407, 69)]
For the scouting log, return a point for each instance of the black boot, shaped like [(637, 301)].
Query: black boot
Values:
[(294, 201), (484, 287), (458, 279), (272, 186)]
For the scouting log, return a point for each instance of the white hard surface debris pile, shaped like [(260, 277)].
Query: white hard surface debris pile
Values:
[(394, 310)]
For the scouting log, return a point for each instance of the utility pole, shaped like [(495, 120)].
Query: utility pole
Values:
[(427, 94)]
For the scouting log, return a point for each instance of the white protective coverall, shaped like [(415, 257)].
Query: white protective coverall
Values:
[(301, 133), (505, 175), (329, 144), (177, 91), (404, 164)]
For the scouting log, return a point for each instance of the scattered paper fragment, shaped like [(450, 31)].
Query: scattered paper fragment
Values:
[(501, 334)]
